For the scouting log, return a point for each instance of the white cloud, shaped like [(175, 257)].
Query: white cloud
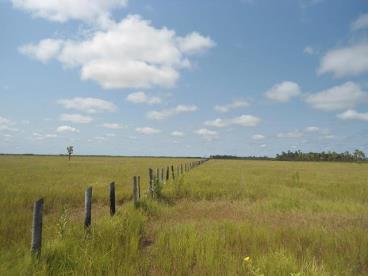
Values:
[(347, 61), (76, 118), (263, 145), (165, 113), (89, 105), (353, 115), (90, 11), (147, 130), (112, 125), (43, 51), (339, 97), (39, 136), (292, 134), (360, 23), (258, 137), (6, 124), (177, 134), (283, 92), (309, 51), (217, 123), (312, 129), (194, 43), (228, 107), (246, 120), (128, 54), (207, 134), (141, 97), (66, 129), (243, 120)]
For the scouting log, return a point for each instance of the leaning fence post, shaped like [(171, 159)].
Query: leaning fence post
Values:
[(172, 172), (37, 228), (87, 206), (150, 184), (112, 198), (135, 191)]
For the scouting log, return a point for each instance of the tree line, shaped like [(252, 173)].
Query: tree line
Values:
[(357, 155)]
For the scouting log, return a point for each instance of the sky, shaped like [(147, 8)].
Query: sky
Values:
[(183, 78)]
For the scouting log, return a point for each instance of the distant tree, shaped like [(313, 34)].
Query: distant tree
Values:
[(359, 155), (70, 150)]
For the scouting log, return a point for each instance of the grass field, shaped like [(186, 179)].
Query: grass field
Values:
[(289, 218)]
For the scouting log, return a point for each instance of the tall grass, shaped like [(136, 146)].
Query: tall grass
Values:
[(289, 218)]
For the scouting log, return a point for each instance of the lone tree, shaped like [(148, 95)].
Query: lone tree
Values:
[(70, 150)]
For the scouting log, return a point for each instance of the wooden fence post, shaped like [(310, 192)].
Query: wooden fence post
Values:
[(37, 228), (167, 174), (87, 206), (139, 187), (135, 191), (177, 170), (150, 184), (172, 172), (181, 168), (157, 174), (112, 198), (162, 175)]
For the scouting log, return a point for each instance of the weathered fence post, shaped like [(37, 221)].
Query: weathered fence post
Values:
[(87, 206), (37, 228), (157, 174), (181, 168), (139, 187), (172, 172), (112, 198), (177, 171), (167, 173), (135, 191), (162, 175), (150, 184)]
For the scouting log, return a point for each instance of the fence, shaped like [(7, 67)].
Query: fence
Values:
[(36, 243)]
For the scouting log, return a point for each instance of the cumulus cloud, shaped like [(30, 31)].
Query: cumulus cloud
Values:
[(283, 92), (312, 129), (360, 23), (309, 51), (291, 134), (128, 54), (339, 97), (234, 105), (44, 51), (258, 137), (177, 134), (243, 120), (76, 118), (141, 98), (353, 115), (112, 125), (347, 61), (6, 124), (89, 105), (166, 113), (40, 136), (90, 11), (194, 43), (207, 134), (67, 129), (147, 130)]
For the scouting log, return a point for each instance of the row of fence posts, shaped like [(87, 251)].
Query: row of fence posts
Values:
[(36, 242)]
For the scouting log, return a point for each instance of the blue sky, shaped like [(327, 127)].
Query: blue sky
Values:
[(244, 77)]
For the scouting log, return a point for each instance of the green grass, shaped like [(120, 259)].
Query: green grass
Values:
[(290, 218)]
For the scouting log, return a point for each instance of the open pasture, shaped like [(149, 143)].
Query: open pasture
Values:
[(289, 218)]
